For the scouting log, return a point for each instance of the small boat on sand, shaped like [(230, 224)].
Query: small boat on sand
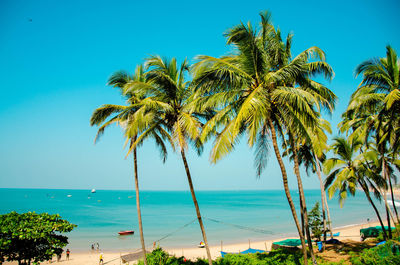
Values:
[(127, 232)]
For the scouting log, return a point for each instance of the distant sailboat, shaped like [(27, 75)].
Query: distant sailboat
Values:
[(69, 195), (93, 191)]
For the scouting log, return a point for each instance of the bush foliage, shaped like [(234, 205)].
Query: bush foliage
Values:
[(275, 257), (388, 253), (32, 237)]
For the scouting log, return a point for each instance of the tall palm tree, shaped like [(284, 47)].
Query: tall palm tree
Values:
[(382, 163), (318, 147), (168, 95), (303, 207), (305, 153), (254, 91), (380, 89), (347, 170), (109, 114)]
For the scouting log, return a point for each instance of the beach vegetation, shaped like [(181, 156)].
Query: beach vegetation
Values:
[(316, 222), (388, 253), (274, 257), (31, 237)]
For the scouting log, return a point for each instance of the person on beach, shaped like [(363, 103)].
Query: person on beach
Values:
[(98, 246), (67, 253), (92, 247), (101, 259)]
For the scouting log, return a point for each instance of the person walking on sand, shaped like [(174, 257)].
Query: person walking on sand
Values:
[(67, 253), (101, 261)]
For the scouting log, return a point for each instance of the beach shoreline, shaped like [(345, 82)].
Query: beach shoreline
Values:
[(347, 232)]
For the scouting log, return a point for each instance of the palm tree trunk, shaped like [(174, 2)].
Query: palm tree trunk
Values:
[(388, 211), (138, 201), (328, 214), (302, 215), (303, 204), (321, 186), (196, 205), (286, 188), (366, 191)]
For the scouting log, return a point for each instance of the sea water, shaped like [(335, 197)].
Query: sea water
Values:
[(170, 217)]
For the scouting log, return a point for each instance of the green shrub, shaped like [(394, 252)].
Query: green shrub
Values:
[(388, 253), (275, 257)]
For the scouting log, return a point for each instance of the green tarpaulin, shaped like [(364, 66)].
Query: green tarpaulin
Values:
[(372, 231), (288, 243)]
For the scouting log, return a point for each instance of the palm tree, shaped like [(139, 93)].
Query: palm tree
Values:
[(382, 78), (306, 153), (254, 91), (303, 207), (318, 147), (382, 164), (108, 114), (380, 89), (167, 99), (347, 170)]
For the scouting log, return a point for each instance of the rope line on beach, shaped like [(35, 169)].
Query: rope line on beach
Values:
[(257, 230), (176, 231)]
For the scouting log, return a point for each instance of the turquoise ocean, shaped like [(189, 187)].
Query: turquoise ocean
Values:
[(229, 216)]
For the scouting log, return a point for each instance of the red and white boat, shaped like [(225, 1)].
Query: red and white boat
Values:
[(127, 232)]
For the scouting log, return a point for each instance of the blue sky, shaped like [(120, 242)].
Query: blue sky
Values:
[(56, 56)]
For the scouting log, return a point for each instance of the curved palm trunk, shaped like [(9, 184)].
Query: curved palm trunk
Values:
[(303, 205), (286, 187), (323, 198), (302, 216), (366, 191), (138, 202), (388, 211), (196, 205)]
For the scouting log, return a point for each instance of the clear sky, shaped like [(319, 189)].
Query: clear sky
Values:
[(56, 56)]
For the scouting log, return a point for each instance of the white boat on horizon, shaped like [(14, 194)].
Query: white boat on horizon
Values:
[(93, 191)]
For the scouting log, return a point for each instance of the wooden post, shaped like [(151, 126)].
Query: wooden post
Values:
[(221, 245), (265, 244), (249, 243)]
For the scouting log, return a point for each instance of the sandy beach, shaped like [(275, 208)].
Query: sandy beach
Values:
[(349, 232)]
